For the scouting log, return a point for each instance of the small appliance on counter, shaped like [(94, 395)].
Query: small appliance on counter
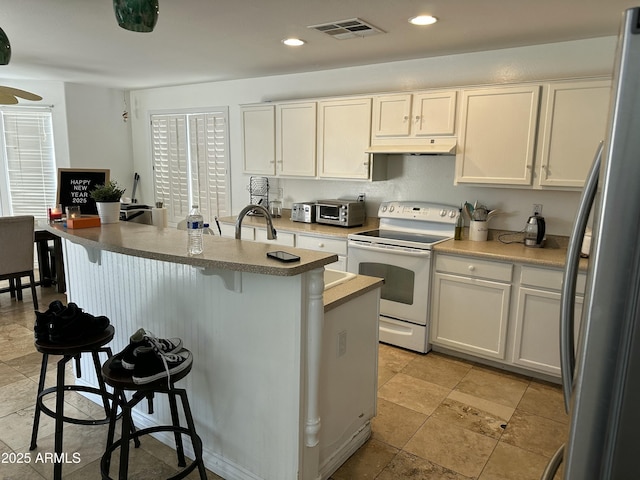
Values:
[(342, 213), (534, 232), (137, 213), (304, 212)]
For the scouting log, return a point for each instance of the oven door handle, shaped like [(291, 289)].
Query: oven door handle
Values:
[(398, 250)]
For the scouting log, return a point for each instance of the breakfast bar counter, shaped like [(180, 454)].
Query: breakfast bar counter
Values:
[(284, 382)]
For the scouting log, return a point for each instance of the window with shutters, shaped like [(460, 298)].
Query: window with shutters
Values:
[(28, 166), (191, 163)]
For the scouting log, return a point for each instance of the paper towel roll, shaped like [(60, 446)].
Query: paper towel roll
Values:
[(159, 217)]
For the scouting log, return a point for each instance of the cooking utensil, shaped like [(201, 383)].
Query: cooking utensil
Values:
[(136, 177), (468, 210)]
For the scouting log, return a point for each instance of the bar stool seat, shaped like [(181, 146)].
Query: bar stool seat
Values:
[(121, 380), (93, 344)]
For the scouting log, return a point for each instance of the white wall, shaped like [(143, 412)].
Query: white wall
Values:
[(98, 135), (412, 178)]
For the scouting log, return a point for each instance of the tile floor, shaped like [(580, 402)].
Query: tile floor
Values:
[(439, 418)]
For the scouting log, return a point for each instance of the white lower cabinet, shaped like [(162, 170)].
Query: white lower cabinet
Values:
[(536, 343), (472, 311), (327, 244), (286, 239), (322, 243), (229, 230), (471, 305)]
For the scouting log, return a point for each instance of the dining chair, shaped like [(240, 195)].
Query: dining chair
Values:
[(16, 254)]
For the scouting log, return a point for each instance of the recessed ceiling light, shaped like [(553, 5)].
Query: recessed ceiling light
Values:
[(293, 42), (423, 20)]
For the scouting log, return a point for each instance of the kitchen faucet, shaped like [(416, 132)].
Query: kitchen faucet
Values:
[(271, 232)]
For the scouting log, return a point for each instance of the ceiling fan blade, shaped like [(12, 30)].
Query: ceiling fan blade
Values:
[(6, 99), (19, 93)]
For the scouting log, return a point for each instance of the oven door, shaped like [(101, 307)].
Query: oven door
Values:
[(406, 271)]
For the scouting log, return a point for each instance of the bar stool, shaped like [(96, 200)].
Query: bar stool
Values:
[(121, 381), (94, 345)]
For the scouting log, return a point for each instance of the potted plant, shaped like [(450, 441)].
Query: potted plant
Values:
[(107, 198)]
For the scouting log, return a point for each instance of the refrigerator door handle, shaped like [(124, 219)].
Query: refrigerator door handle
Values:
[(567, 301)]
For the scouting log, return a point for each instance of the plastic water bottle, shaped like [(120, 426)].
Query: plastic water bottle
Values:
[(195, 227)]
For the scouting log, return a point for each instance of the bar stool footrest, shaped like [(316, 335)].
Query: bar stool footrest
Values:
[(76, 388), (195, 441)]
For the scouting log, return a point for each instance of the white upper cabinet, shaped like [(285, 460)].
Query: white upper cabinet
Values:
[(497, 135), (575, 121), (296, 139), (401, 115), (258, 139), (344, 133)]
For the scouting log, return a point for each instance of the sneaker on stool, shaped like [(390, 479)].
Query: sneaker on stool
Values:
[(152, 365), (43, 319), (143, 338), (73, 323)]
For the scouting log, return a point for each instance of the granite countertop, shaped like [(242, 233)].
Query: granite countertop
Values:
[(285, 224), (170, 245), (552, 255)]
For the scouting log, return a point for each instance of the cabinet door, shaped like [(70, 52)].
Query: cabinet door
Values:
[(575, 122), (434, 113), (296, 139), (344, 130), (537, 337), (392, 115), (470, 315), (258, 139), (497, 134)]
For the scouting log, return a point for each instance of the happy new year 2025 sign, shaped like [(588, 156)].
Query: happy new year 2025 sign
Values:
[(74, 186)]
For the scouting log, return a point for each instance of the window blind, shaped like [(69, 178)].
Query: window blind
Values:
[(29, 158), (190, 162)]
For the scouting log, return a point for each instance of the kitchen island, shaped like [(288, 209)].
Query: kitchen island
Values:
[(283, 384)]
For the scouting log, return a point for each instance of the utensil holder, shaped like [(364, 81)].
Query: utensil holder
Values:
[(478, 231)]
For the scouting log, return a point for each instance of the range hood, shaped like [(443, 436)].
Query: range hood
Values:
[(431, 146)]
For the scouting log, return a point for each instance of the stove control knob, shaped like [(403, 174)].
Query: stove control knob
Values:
[(384, 208), (452, 213), (443, 212), (392, 208)]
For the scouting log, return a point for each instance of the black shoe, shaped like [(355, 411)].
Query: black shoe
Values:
[(72, 324), (142, 338), (41, 325), (152, 365)]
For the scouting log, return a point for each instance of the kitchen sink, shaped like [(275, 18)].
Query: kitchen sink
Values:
[(336, 277)]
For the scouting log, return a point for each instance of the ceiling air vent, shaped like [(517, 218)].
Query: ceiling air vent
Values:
[(344, 29)]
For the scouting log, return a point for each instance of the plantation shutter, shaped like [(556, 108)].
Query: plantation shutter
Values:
[(190, 161), (209, 164), (170, 164), (28, 150)]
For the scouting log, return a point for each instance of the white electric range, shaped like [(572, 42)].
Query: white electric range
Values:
[(400, 252)]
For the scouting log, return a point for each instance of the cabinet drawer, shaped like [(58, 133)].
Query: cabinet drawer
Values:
[(323, 244), (283, 238), (473, 267), (549, 279)]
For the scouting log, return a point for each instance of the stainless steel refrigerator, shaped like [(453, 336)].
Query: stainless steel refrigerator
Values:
[(601, 379)]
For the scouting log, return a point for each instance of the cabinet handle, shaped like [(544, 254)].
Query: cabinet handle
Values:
[(321, 245), (471, 268), (417, 118), (405, 118)]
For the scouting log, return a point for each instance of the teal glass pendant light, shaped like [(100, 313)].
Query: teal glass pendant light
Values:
[(5, 48), (136, 15)]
